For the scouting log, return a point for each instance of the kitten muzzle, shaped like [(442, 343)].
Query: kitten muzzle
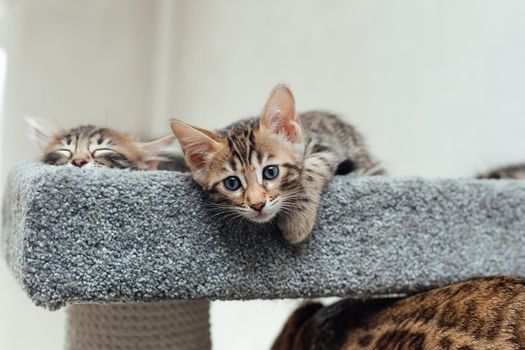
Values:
[(79, 162), (258, 206)]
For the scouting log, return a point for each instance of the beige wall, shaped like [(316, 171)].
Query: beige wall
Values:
[(437, 87), (72, 64)]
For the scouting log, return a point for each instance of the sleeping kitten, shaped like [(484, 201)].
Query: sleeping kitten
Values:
[(516, 172), (480, 314), (88, 145), (276, 166)]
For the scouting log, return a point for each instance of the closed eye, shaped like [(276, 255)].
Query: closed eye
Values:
[(64, 152), (102, 151)]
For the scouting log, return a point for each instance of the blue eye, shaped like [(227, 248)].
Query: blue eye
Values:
[(270, 172), (232, 183)]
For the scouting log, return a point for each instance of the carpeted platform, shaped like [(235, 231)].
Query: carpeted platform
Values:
[(99, 235)]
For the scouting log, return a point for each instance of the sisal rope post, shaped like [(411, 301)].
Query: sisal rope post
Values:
[(165, 325)]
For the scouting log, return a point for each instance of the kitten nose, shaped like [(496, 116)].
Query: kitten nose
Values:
[(79, 162), (257, 206)]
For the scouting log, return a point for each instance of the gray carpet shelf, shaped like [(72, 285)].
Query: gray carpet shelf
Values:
[(107, 236)]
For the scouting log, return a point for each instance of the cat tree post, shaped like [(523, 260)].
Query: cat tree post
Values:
[(165, 325), (121, 254)]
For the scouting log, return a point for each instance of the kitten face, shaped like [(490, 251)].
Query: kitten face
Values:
[(90, 146), (253, 167), (254, 175)]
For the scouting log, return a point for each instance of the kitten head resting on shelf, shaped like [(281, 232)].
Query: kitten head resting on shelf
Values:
[(274, 167), (91, 146)]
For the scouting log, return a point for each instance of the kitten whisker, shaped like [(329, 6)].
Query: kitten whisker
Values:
[(304, 151)]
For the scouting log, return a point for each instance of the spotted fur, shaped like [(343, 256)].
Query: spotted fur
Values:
[(308, 151), (479, 314), (88, 145)]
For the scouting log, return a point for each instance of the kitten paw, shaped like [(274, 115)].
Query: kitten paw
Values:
[(296, 228)]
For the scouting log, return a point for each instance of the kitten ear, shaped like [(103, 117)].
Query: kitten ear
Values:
[(197, 144), (157, 149), (40, 131), (279, 114)]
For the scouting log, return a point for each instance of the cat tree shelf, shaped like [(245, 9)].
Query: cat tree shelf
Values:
[(113, 236), (101, 235)]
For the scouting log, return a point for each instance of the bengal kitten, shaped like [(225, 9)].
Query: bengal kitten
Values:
[(516, 171), (91, 146), (479, 314), (274, 167)]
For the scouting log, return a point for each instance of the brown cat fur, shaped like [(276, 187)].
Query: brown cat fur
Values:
[(88, 145), (478, 314), (516, 172)]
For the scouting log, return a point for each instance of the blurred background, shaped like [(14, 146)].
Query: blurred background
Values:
[(436, 87)]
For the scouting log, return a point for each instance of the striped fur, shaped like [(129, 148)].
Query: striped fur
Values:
[(480, 314), (88, 145), (516, 171), (308, 151)]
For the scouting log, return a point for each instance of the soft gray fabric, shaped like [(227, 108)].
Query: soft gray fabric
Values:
[(99, 235)]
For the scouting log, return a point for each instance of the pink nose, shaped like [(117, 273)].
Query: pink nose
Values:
[(258, 206), (79, 162)]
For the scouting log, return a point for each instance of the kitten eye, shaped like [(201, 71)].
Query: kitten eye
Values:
[(270, 172), (102, 151), (232, 183), (65, 152)]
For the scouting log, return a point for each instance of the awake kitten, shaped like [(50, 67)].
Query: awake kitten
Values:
[(88, 145), (480, 314), (276, 166)]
